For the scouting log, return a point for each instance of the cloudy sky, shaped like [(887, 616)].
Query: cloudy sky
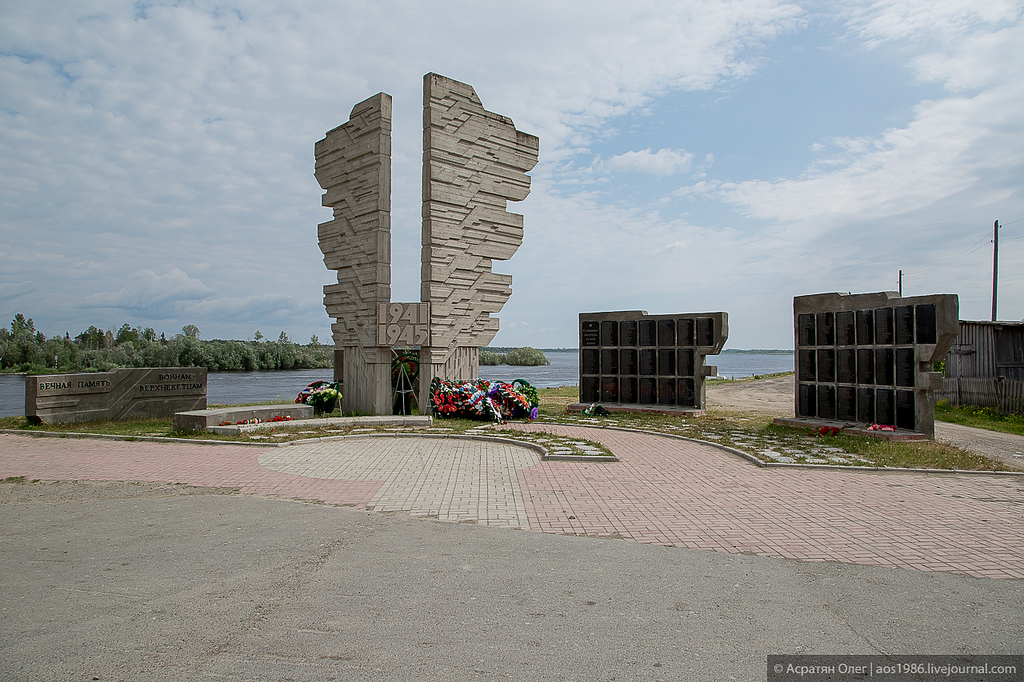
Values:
[(156, 158)]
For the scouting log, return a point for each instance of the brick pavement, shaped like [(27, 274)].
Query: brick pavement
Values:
[(664, 491)]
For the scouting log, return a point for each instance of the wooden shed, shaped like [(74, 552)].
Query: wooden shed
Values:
[(985, 366)]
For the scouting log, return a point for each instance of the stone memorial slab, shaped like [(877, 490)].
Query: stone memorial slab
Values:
[(685, 332), (867, 357), (684, 364), (648, 361), (846, 328), (648, 333), (628, 390), (846, 365), (865, 327), (119, 395), (904, 316), (628, 334), (806, 366), (627, 361), (654, 360), (884, 367), (905, 369), (905, 410)]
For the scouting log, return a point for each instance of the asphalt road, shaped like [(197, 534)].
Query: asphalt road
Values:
[(118, 581)]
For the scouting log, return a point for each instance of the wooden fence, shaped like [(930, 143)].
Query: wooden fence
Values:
[(1005, 394)]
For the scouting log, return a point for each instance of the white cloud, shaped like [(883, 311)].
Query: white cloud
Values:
[(661, 163), (148, 291)]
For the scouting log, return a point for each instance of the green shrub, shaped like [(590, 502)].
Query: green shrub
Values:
[(526, 357)]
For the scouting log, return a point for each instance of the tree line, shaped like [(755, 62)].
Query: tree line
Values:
[(23, 349)]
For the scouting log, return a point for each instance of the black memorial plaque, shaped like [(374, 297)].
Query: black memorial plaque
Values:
[(865, 366), (805, 329), (648, 333), (926, 330), (883, 326), (627, 333), (884, 366), (628, 390), (846, 328), (806, 366), (905, 367), (627, 361), (590, 334), (866, 405), (826, 402), (904, 315), (589, 390), (609, 333), (666, 332), (826, 365), (705, 331), (648, 391), (685, 394), (865, 327), (591, 360), (885, 407), (846, 365), (807, 400), (846, 403), (685, 332), (666, 362), (666, 391), (648, 361), (906, 410), (609, 390), (684, 363), (826, 329), (609, 361)]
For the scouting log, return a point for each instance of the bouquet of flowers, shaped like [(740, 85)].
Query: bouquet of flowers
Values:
[(489, 400), (322, 395)]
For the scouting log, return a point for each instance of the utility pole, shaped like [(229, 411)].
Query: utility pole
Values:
[(995, 265), (901, 284)]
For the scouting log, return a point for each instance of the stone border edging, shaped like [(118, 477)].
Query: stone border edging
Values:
[(788, 465)]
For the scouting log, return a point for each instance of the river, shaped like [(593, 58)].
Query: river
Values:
[(229, 388)]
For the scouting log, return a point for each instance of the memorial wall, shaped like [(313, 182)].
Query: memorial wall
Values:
[(868, 358), (632, 358), (116, 396)]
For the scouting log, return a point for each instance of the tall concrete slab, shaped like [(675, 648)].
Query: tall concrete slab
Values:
[(353, 166), (474, 162)]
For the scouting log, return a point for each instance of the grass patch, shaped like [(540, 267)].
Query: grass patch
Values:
[(758, 436), (980, 417), (749, 433)]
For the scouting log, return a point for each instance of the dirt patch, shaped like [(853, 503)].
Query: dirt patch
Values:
[(16, 491), (764, 397)]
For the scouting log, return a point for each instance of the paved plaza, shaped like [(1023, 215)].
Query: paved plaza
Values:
[(664, 491)]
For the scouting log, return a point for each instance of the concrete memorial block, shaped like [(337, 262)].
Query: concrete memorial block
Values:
[(353, 166), (867, 358), (118, 395), (474, 162), (632, 360), (209, 420)]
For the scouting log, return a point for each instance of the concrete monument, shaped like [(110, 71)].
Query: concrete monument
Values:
[(118, 395), (474, 162)]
